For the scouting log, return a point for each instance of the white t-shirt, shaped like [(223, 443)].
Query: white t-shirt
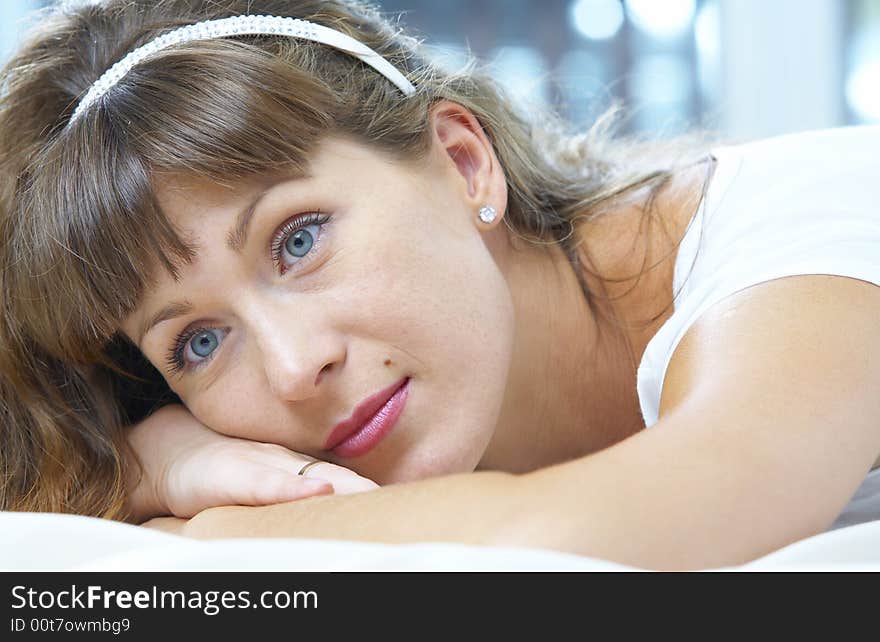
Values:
[(806, 203)]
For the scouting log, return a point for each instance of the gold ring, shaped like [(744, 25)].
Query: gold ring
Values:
[(302, 471)]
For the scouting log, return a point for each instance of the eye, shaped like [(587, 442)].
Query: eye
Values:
[(294, 240), (194, 347)]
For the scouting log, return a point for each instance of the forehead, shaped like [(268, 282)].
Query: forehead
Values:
[(185, 197), (336, 161)]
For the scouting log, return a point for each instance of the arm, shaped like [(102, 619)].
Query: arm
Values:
[(769, 421)]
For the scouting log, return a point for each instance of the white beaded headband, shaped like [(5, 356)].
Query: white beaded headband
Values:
[(241, 25)]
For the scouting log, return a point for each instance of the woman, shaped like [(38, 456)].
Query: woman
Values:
[(334, 268)]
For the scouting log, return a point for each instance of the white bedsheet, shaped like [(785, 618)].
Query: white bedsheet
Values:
[(47, 541)]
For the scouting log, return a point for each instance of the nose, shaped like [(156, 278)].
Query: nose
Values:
[(297, 351)]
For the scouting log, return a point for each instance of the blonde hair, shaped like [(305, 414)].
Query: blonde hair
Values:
[(81, 228)]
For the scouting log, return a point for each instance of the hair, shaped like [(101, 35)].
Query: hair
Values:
[(83, 234)]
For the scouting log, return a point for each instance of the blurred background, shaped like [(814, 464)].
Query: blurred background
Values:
[(745, 68)]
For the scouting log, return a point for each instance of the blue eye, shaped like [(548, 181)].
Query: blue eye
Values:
[(192, 348), (204, 343), (295, 239), (299, 243)]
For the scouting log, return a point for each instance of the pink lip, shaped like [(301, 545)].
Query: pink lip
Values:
[(372, 419)]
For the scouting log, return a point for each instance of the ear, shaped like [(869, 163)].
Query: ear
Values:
[(463, 148)]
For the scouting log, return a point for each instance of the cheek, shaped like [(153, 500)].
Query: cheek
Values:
[(444, 310), (432, 287), (243, 410)]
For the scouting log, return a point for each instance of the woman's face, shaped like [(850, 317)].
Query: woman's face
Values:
[(347, 281)]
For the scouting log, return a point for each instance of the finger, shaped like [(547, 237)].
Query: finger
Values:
[(273, 486), (344, 480)]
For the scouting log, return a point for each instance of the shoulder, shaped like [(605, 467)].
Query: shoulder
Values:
[(799, 352), (771, 397)]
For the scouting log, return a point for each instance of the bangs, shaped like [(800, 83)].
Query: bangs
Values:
[(220, 110), (92, 232)]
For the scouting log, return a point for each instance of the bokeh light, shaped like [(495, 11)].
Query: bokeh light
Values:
[(597, 19), (863, 90), (662, 19)]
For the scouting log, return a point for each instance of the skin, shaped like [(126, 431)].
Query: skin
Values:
[(406, 280)]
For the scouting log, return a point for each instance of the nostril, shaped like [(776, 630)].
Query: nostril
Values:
[(321, 374)]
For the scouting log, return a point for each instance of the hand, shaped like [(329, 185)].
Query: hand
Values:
[(187, 467)]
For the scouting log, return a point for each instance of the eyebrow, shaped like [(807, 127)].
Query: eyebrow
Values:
[(170, 311), (236, 240)]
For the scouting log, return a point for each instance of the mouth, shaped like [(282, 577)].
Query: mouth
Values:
[(370, 422)]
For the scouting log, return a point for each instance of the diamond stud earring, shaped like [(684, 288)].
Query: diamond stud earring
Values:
[(487, 214)]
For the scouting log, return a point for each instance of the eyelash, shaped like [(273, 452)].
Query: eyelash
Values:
[(174, 359), (290, 228)]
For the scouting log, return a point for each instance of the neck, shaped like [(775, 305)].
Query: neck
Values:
[(571, 385), (572, 382)]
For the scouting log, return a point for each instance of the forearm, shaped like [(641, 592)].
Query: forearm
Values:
[(584, 507), (476, 508), (581, 507), (561, 508)]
